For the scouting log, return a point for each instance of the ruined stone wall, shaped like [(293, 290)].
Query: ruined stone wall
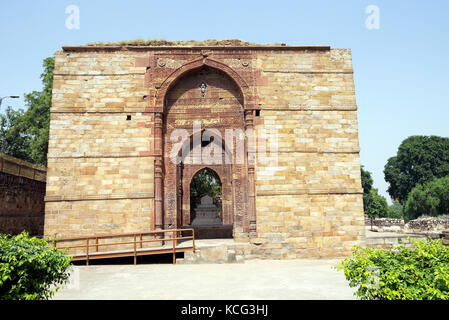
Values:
[(22, 191), (427, 224)]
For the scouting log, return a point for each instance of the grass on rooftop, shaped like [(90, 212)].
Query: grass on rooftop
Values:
[(186, 43)]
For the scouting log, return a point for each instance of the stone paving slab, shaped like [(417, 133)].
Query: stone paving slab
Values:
[(255, 279)]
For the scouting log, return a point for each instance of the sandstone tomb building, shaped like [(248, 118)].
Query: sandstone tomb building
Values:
[(115, 110)]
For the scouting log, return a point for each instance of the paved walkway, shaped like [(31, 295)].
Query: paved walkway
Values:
[(254, 279)]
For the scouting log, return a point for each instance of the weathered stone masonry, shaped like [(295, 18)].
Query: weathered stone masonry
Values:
[(114, 108), (22, 191)]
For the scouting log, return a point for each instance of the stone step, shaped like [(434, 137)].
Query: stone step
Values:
[(216, 254)]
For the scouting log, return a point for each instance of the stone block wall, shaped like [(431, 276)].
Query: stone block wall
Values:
[(22, 191), (106, 151), (308, 199), (101, 169)]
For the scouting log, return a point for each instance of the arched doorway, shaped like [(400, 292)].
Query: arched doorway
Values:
[(211, 99), (206, 206), (205, 183)]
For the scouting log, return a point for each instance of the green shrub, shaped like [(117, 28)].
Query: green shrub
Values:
[(30, 268), (431, 199), (420, 272)]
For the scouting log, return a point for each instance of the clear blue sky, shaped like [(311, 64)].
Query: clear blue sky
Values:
[(401, 70)]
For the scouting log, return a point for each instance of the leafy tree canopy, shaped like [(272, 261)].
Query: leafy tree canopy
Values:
[(431, 199), (205, 182), (13, 140), (374, 205), (24, 134), (395, 210), (367, 180), (419, 159)]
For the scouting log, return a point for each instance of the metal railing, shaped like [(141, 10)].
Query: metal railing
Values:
[(85, 251)]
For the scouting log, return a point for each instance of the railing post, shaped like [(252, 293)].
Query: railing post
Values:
[(96, 243), (193, 239), (140, 240), (135, 245), (87, 251), (174, 247)]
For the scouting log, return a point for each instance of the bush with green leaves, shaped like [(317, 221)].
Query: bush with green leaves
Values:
[(25, 133), (431, 199), (416, 272), (30, 268)]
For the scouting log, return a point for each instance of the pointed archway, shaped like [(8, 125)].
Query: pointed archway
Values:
[(209, 98), (205, 183)]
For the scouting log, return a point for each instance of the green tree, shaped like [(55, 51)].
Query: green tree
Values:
[(24, 134), (419, 159), (377, 205), (395, 210), (205, 182), (367, 184), (367, 180), (431, 199), (13, 139), (374, 205)]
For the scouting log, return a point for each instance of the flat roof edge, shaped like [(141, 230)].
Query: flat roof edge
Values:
[(153, 48)]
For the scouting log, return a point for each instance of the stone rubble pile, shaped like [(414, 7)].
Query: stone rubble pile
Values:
[(422, 225)]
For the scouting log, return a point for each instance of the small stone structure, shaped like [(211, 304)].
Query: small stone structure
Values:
[(206, 214), (207, 223), (22, 192)]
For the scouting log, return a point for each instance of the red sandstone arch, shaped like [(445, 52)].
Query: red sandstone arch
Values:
[(195, 65), (172, 182), (194, 173)]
